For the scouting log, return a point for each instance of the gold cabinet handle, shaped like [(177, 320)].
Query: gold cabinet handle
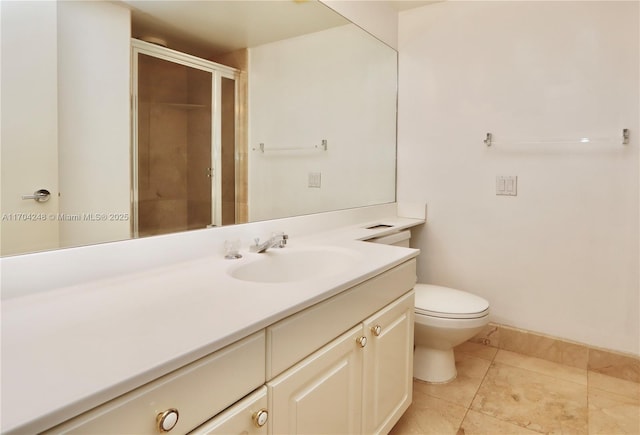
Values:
[(362, 341), (167, 420), (260, 417), (377, 330)]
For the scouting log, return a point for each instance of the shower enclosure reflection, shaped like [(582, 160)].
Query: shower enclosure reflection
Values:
[(183, 174)]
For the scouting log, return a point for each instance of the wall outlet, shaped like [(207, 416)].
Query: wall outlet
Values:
[(315, 179), (507, 185)]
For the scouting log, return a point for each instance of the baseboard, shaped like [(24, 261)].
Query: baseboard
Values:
[(607, 362)]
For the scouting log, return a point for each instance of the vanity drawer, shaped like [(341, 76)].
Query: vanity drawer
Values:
[(198, 391), (299, 335), (247, 417)]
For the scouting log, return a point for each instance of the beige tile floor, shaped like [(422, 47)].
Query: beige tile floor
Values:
[(502, 392)]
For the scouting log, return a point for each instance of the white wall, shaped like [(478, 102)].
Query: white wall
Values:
[(339, 85), (561, 257), (94, 120), (29, 125), (65, 123)]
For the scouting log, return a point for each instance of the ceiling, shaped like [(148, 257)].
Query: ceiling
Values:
[(209, 28), (403, 5)]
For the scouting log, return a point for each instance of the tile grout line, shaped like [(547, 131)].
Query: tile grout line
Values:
[(476, 393), (588, 387)]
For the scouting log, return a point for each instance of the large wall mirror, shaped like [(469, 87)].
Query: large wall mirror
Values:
[(126, 119)]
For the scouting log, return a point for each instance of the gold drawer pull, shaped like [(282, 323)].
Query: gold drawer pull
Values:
[(167, 420), (260, 417)]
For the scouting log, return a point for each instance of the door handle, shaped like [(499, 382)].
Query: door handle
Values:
[(41, 195)]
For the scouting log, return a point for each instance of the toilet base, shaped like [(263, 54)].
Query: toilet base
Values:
[(434, 365)]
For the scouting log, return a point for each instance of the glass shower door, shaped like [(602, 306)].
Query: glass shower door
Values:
[(174, 165)]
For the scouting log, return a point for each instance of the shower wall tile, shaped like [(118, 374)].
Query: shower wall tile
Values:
[(162, 216)]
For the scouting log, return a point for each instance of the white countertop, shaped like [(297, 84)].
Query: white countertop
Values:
[(70, 349)]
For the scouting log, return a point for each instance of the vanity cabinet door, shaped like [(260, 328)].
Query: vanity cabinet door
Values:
[(249, 416), (323, 393), (388, 365), (295, 337)]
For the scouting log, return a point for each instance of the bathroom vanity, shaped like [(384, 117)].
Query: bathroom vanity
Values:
[(313, 371), (190, 347)]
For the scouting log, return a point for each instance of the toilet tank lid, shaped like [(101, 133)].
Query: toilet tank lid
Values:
[(438, 299)]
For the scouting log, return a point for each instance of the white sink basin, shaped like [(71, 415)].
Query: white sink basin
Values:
[(295, 264)]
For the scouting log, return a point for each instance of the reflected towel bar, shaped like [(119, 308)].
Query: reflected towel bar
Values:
[(322, 146)]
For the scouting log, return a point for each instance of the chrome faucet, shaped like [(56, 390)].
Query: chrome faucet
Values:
[(278, 240)]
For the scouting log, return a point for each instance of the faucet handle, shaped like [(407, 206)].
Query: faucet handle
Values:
[(257, 240), (283, 240)]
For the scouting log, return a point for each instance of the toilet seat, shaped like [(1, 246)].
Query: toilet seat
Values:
[(445, 302)]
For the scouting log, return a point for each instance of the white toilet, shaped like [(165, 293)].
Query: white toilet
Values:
[(444, 318)]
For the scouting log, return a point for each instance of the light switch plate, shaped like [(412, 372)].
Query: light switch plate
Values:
[(315, 179), (507, 185)]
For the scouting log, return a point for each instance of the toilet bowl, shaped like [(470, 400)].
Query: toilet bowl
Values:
[(444, 318)]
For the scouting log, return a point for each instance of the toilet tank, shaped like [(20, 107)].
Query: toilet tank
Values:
[(401, 238)]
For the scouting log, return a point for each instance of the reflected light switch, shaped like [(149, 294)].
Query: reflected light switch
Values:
[(315, 179), (507, 185)]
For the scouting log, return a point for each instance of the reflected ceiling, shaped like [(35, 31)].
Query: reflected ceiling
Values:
[(209, 28)]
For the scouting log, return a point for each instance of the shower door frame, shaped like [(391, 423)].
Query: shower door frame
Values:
[(218, 72)]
